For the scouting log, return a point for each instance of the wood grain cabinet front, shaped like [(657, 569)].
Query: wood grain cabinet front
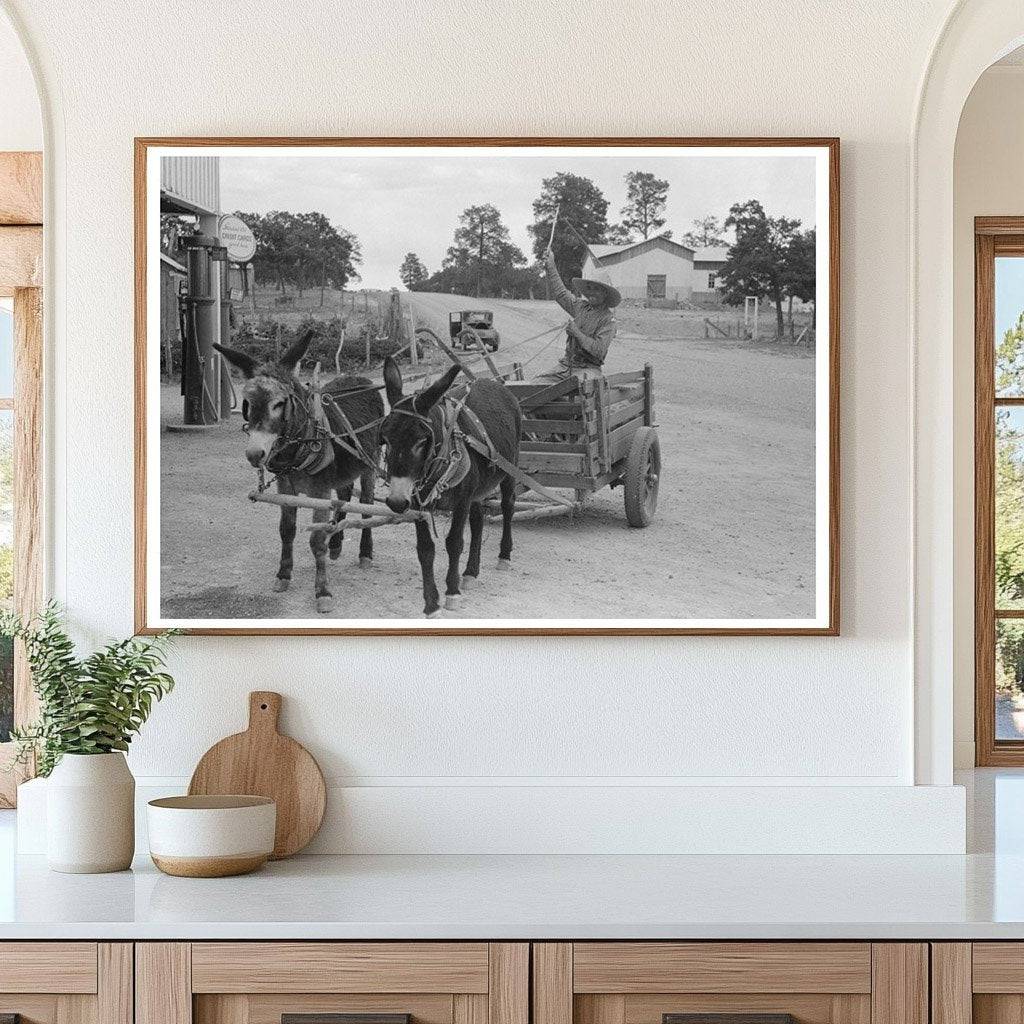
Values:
[(977, 983), (66, 982), (730, 983), (332, 983)]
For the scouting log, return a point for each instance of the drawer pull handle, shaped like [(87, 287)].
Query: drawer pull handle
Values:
[(728, 1018), (342, 1018)]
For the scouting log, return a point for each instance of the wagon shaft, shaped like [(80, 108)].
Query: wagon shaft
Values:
[(371, 523)]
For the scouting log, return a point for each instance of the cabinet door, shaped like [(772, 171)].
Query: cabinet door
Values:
[(66, 982), (737, 982), (981, 982), (314, 982)]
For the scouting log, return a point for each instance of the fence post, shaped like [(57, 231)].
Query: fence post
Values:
[(414, 354)]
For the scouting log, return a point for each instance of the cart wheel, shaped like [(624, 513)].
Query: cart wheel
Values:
[(643, 468)]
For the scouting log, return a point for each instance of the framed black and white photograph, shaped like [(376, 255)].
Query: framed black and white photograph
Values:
[(487, 386)]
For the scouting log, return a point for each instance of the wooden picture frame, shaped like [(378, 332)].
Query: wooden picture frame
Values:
[(826, 619)]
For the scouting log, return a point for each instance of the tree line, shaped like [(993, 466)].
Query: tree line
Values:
[(302, 251), (770, 257)]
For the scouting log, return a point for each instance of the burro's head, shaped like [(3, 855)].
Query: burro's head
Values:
[(407, 435), (266, 396)]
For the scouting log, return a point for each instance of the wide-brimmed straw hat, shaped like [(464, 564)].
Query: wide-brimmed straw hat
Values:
[(602, 280)]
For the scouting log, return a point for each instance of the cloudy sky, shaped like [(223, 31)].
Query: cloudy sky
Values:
[(409, 200)]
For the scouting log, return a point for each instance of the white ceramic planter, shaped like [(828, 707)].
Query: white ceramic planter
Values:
[(90, 814)]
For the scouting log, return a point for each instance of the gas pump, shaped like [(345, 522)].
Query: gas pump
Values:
[(205, 319)]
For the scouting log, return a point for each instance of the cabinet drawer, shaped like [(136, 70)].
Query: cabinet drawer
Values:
[(260, 982), (48, 967), (340, 967), (747, 982), (66, 982), (629, 967)]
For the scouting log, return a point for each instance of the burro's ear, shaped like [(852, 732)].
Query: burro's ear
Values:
[(245, 363), (291, 359), (392, 381), (429, 397)]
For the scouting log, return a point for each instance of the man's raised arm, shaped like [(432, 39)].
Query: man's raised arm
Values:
[(559, 292)]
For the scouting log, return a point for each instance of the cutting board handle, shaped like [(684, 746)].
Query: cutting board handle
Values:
[(264, 710)]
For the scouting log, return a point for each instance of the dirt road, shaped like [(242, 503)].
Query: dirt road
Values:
[(733, 537)]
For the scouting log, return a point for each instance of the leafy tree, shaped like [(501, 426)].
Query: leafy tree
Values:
[(756, 263), (646, 197), (619, 234), (800, 266), (302, 249), (1009, 466), (579, 202), (707, 233), (412, 271), (1010, 361), (482, 259), (1009, 507)]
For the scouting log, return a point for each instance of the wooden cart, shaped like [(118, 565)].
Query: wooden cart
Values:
[(578, 436), (585, 435)]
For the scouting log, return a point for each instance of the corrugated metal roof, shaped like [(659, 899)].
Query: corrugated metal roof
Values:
[(718, 254), (606, 250), (193, 179), (602, 251)]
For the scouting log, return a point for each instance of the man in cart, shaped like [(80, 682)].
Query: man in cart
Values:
[(592, 329)]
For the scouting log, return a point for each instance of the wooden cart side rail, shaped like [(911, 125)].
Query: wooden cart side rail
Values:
[(531, 395), (624, 412), (543, 447), (532, 426), (554, 462), (630, 377), (601, 428), (565, 410)]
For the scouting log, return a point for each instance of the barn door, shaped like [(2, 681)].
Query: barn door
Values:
[(655, 286)]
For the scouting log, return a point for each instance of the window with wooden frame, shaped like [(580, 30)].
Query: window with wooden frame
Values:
[(21, 367)]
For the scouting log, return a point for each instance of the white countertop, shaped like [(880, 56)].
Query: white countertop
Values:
[(978, 896), (532, 897)]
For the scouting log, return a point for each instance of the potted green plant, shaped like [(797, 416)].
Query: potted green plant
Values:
[(89, 710)]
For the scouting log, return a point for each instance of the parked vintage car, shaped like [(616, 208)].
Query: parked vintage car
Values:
[(467, 326)]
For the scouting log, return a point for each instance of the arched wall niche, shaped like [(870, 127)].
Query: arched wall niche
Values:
[(976, 33)]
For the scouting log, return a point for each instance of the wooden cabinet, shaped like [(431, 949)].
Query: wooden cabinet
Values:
[(259, 982), (493, 983), (648, 982), (66, 982), (979, 982)]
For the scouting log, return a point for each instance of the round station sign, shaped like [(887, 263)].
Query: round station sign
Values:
[(236, 237)]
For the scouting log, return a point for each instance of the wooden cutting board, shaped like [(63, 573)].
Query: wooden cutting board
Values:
[(262, 762)]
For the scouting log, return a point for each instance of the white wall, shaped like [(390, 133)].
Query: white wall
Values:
[(430, 717), (988, 180), (21, 125)]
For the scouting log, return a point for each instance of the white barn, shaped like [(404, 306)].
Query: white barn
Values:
[(707, 268), (655, 269)]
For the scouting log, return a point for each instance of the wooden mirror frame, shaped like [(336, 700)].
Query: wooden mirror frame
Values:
[(21, 270)]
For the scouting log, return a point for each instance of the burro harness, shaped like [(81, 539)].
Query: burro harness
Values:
[(306, 444), (449, 460)]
